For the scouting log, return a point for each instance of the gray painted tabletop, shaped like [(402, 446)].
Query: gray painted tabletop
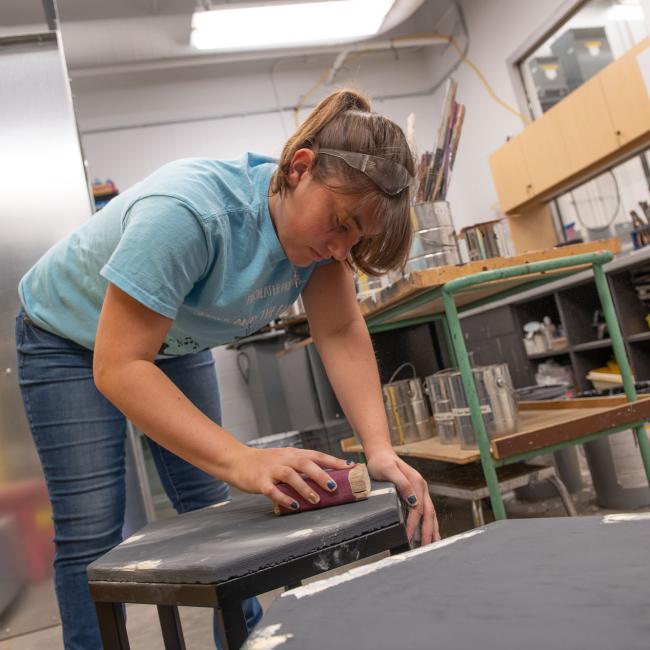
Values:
[(241, 536), (529, 584)]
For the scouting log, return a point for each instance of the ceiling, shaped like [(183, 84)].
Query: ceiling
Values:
[(118, 36)]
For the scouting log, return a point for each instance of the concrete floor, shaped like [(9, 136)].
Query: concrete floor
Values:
[(142, 624)]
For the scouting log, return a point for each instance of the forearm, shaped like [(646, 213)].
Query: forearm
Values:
[(156, 406), (351, 367)]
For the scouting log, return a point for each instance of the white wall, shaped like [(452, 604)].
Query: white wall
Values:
[(496, 30)]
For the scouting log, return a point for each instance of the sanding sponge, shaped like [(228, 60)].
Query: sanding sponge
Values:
[(353, 485)]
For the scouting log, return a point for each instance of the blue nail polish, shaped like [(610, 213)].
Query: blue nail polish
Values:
[(331, 485), (412, 499), (294, 505), (349, 462)]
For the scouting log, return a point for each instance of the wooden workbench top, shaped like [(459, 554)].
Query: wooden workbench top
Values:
[(418, 282)]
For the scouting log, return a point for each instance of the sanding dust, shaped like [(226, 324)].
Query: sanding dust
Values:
[(301, 533), (145, 564), (133, 538), (267, 639), (626, 516), (320, 585)]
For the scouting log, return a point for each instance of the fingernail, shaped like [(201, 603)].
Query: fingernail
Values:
[(412, 499), (331, 485), (349, 462), (314, 498), (294, 505)]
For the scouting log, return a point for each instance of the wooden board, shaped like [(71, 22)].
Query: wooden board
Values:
[(419, 282), (543, 427), (430, 449)]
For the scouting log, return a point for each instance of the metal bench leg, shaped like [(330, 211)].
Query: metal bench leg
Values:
[(170, 625), (234, 623), (477, 513), (558, 484), (112, 626)]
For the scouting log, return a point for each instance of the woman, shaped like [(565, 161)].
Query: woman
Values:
[(118, 319)]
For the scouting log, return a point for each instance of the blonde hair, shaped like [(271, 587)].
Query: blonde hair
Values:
[(344, 120)]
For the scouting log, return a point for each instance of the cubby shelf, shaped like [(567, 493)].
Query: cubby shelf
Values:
[(496, 335), (548, 353), (593, 345), (642, 336)]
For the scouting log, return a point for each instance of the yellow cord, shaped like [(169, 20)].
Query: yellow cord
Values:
[(525, 119)]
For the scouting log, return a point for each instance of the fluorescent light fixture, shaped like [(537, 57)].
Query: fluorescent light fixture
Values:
[(628, 12), (267, 25)]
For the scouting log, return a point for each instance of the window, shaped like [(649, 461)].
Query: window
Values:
[(609, 204), (599, 32)]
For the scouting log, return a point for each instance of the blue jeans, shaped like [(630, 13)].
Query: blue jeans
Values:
[(80, 437)]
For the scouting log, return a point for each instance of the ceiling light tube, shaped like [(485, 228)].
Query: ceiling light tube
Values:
[(232, 28)]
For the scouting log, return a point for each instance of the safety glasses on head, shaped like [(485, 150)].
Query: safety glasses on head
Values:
[(391, 177)]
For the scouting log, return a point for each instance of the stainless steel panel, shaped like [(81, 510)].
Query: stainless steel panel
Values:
[(43, 195)]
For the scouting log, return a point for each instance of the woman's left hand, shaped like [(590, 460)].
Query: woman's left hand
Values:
[(388, 466)]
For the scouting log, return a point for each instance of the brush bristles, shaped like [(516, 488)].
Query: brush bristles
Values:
[(359, 481)]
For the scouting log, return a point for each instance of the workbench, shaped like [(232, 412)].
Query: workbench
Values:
[(521, 583), (220, 555)]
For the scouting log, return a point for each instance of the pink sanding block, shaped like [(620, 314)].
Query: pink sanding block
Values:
[(353, 484)]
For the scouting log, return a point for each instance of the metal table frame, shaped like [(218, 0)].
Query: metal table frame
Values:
[(453, 331), (227, 596)]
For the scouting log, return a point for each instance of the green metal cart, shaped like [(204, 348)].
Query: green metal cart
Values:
[(538, 272)]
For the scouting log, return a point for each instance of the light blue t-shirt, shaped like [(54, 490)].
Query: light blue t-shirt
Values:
[(194, 242)]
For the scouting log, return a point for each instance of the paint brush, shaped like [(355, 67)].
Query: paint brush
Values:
[(353, 484), (436, 167)]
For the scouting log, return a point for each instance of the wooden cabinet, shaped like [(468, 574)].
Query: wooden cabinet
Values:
[(581, 133), (511, 176), (545, 152), (585, 126), (626, 97)]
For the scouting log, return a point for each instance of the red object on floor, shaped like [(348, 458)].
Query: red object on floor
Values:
[(28, 505)]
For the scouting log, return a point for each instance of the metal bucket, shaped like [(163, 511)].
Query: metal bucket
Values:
[(434, 238), (437, 388), (407, 412), (502, 397), (460, 408)]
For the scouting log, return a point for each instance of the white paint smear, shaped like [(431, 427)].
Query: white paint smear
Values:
[(301, 533), (357, 572), (388, 490), (220, 505), (145, 564), (626, 516), (267, 638), (133, 538)]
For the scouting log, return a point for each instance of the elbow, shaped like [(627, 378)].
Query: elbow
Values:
[(103, 374)]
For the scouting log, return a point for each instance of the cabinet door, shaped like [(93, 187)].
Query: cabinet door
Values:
[(627, 96), (586, 126), (510, 175), (545, 152)]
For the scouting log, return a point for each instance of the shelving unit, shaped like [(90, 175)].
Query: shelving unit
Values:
[(547, 427)]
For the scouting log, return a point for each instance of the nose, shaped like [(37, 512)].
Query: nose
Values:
[(339, 247)]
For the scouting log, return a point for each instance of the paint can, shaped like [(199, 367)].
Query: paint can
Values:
[(434, 237), (436, 386), (407, 412)]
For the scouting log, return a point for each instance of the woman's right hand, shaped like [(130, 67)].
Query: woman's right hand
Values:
[(259, 471)]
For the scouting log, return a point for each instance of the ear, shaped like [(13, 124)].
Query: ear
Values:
[(301, 162)]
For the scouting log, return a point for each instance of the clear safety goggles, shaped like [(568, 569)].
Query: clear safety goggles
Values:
[(391, 177)]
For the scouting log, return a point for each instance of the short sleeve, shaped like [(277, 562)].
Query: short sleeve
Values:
[(162, 253)]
